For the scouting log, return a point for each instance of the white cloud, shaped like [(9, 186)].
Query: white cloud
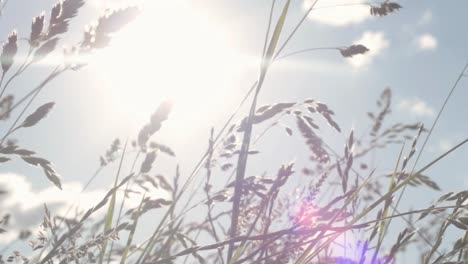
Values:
[(416, 107), (340, 15), (375, 42), (26, 205), (427, 42)]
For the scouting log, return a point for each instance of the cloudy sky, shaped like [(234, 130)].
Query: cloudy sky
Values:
[(204, 55)]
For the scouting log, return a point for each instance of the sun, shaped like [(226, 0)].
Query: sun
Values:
[(172, 51)]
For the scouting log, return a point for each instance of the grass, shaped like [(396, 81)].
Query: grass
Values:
[(247, 219)]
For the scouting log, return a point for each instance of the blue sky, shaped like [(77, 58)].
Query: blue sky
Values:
[(205, 56)]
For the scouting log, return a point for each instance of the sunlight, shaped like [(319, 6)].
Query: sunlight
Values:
[(172, 51)]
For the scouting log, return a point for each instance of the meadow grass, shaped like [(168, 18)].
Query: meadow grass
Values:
[(247, 219)]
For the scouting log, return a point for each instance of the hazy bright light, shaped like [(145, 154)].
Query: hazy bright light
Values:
[(172, 51), (427, 42)]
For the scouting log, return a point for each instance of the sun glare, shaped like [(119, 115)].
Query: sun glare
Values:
[(171, 52)]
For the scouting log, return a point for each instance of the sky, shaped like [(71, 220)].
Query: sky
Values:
[(204, 55)]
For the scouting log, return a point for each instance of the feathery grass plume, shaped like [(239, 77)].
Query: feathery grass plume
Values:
[(384, 103), (449, 220), (164, 183), (321, 108), (4, 159), (315, 187), (145, 178), (393, 133), (418, 180), (149, 204), (60, 16), (10, 48), (6, 218), (310, 121), (99, 35), (313, 141), (282, 176), (110, 154), (13, 149), (37, 26), (148, 162), (253, 185), (38, 115), (5, 107), (384, 8), (226, 166), (47, 167), (45, 49), (353, 50), (229, 144), (155, 123), (163, 148), (17, 257), (348, 159), (413, 148), (266, 112), (288, 131)]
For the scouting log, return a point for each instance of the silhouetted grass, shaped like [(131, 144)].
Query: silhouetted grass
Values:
[(249, 219)]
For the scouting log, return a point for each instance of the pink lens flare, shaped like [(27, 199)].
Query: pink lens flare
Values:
[(306, 214)]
